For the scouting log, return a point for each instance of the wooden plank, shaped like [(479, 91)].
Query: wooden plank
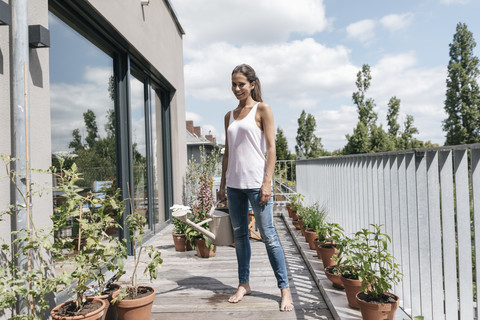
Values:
[(189, 287)]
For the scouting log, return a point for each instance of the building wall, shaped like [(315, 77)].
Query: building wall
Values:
[(153, 32), (4, 124), (150, 30)]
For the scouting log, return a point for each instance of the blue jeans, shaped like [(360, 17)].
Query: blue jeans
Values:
[(238, 207)]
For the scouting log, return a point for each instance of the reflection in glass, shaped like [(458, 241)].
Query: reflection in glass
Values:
[(140, 189), (82, 113), (156, 155)]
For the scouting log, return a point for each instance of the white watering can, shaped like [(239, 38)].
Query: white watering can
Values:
[(220, 232)]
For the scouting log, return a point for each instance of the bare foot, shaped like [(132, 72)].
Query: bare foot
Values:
[(243, 290), (287, 302)]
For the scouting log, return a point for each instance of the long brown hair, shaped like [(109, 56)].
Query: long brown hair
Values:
[(251, 76)]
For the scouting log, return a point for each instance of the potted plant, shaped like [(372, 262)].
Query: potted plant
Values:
[(205, 248), (379, 270), (179, 237), (135, 302), (294, 204), (333, 274), (32, 286), (313, 217), (350, 261), (93, 215), (330, 245)]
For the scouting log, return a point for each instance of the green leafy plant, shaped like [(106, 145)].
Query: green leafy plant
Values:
[(94, 248), (349, 257), (296, 201), (376, 265), (179, 227), (332, 234), (34, 284), (313, 216), (136, 228)]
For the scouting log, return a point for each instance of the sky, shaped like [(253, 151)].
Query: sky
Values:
[(307, 53)]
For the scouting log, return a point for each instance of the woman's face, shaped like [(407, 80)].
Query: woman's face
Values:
[(241, 87)]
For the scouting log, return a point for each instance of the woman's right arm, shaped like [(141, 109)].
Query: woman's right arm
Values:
[(222, 191)]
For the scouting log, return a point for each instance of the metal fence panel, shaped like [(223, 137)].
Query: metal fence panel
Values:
[(423, 237), (436, 292), (476, 214), (449, 239), (464, 233)]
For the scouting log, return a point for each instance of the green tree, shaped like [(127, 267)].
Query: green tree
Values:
[(380, 141), (462, 102), (359, 142), (76, 143), (308, 144), (392, 116), (364, 105), (92, 130), (281, 145), (406, 140)]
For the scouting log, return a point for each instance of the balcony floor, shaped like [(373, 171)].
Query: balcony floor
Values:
[(189, 287)]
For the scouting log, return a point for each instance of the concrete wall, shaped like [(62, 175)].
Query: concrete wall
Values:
[(4, 125), (153, 32)]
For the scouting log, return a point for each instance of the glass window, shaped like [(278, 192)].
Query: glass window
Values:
[(139, 148), (82, 112), (157, 159)]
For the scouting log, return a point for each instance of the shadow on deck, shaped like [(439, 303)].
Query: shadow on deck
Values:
[(189, 287)]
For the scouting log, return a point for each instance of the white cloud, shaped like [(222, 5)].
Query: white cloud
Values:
[(299, 73), (421, 91), (70, 101), (396, 22), (363, 31), (195, 117), (254, 22)]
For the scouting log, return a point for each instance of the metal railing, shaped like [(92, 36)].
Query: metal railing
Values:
[(284, 180), (429, 203)]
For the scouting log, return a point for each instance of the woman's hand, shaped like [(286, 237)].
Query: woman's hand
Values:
[(222, 193), (265, 194)]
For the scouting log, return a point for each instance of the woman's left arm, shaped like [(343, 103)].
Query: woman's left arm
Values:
[(268, 126)]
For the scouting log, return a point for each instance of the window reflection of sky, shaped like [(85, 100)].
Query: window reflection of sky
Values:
[(79, 78)]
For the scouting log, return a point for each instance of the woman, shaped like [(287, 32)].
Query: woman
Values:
[(250, 131)]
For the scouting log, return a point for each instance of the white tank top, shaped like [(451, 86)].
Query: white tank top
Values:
[(246, 152)]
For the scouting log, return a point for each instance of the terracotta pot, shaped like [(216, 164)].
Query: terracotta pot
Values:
[(180, 242), (136, 309), (310, 236), (352, 287), (94, 315), (317, 244), (335, 279), (297, 224), (378, 311), (202, 250), (290, 210), (111, 313), (295, 215), (327, 254)]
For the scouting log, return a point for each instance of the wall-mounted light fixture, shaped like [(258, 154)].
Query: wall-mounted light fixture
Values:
[(145, 2), (5, 18), (38, 36)]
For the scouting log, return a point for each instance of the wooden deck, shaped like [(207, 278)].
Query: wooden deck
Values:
[(189, 287)]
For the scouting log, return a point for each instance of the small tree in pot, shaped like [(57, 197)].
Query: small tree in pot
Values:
[(34, 285), (93, 215), (135, 302), (379, 271)]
